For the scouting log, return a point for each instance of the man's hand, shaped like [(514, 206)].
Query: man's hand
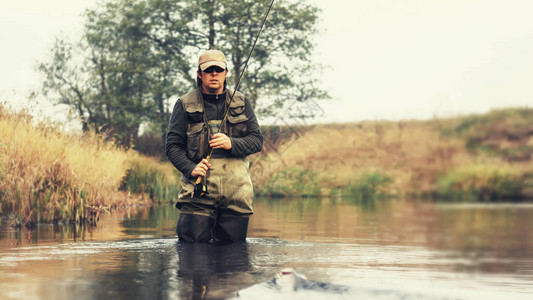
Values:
[(220, 141), (201, 168)]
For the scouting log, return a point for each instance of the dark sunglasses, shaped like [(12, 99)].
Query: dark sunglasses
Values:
[(213, 68)]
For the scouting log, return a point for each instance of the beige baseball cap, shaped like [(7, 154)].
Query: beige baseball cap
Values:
[(212, 58)]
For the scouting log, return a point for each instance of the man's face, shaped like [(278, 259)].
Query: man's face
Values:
[(213, 79)]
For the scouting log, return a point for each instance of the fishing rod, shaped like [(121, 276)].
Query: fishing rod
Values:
[(200, 188)]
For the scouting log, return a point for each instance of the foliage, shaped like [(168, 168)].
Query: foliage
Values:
[(149, 143), (292, 182), (370, 185), (147, 176), (136, 55), (481, 182)]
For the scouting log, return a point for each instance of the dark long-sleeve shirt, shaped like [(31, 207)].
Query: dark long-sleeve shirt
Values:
[(176, 143)]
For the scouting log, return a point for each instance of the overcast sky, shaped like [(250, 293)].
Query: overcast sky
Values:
[(389, 59)]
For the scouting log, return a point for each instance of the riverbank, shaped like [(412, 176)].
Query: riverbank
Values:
[(48, 175), (471, 158)]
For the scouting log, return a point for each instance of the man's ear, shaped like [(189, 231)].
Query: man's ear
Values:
[(198, 73)]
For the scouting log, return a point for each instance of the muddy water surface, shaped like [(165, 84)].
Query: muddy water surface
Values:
[(387, 249)]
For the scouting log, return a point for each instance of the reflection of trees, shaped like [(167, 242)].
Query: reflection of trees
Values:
[(157, 220), (45, 232)]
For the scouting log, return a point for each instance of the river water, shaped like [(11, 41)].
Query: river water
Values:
[(383, 249)]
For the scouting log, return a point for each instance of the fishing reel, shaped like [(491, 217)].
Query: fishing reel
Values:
[(200, 189)]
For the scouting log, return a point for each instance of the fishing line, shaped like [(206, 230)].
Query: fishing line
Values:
[(200, 189), (244, 69)]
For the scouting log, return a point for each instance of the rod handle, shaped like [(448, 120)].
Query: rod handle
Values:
[(199, 179)]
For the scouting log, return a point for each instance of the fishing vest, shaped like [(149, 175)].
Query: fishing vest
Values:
[(196, 120)]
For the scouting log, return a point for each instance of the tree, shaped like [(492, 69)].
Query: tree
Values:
[(68, 82), (138, 55)]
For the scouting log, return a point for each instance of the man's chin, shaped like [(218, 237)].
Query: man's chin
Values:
[(212, 89)]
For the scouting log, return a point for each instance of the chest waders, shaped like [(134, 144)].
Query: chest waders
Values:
[(218, 206), (222, 212)]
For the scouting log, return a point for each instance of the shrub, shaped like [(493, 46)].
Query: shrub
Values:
[(148, 177), (292, 182), (370, 185), (481, 182)]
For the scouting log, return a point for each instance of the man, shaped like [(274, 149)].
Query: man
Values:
[(222, 214)]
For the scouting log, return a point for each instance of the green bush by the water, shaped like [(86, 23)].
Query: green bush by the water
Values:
[(369, 186), (292, 182), (151, 179), (481, 181), (303, 183)]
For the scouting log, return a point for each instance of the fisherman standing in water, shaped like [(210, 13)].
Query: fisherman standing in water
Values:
[(221, 211)]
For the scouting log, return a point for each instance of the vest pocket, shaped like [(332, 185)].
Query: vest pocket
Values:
[(195, 112), (237, 125), (236, 110), (194, 134)]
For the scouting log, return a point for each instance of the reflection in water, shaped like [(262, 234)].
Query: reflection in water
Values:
[(396, 248), (127, 223), (213, 271)]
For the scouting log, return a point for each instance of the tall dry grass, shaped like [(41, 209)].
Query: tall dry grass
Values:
[(47, 175)]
